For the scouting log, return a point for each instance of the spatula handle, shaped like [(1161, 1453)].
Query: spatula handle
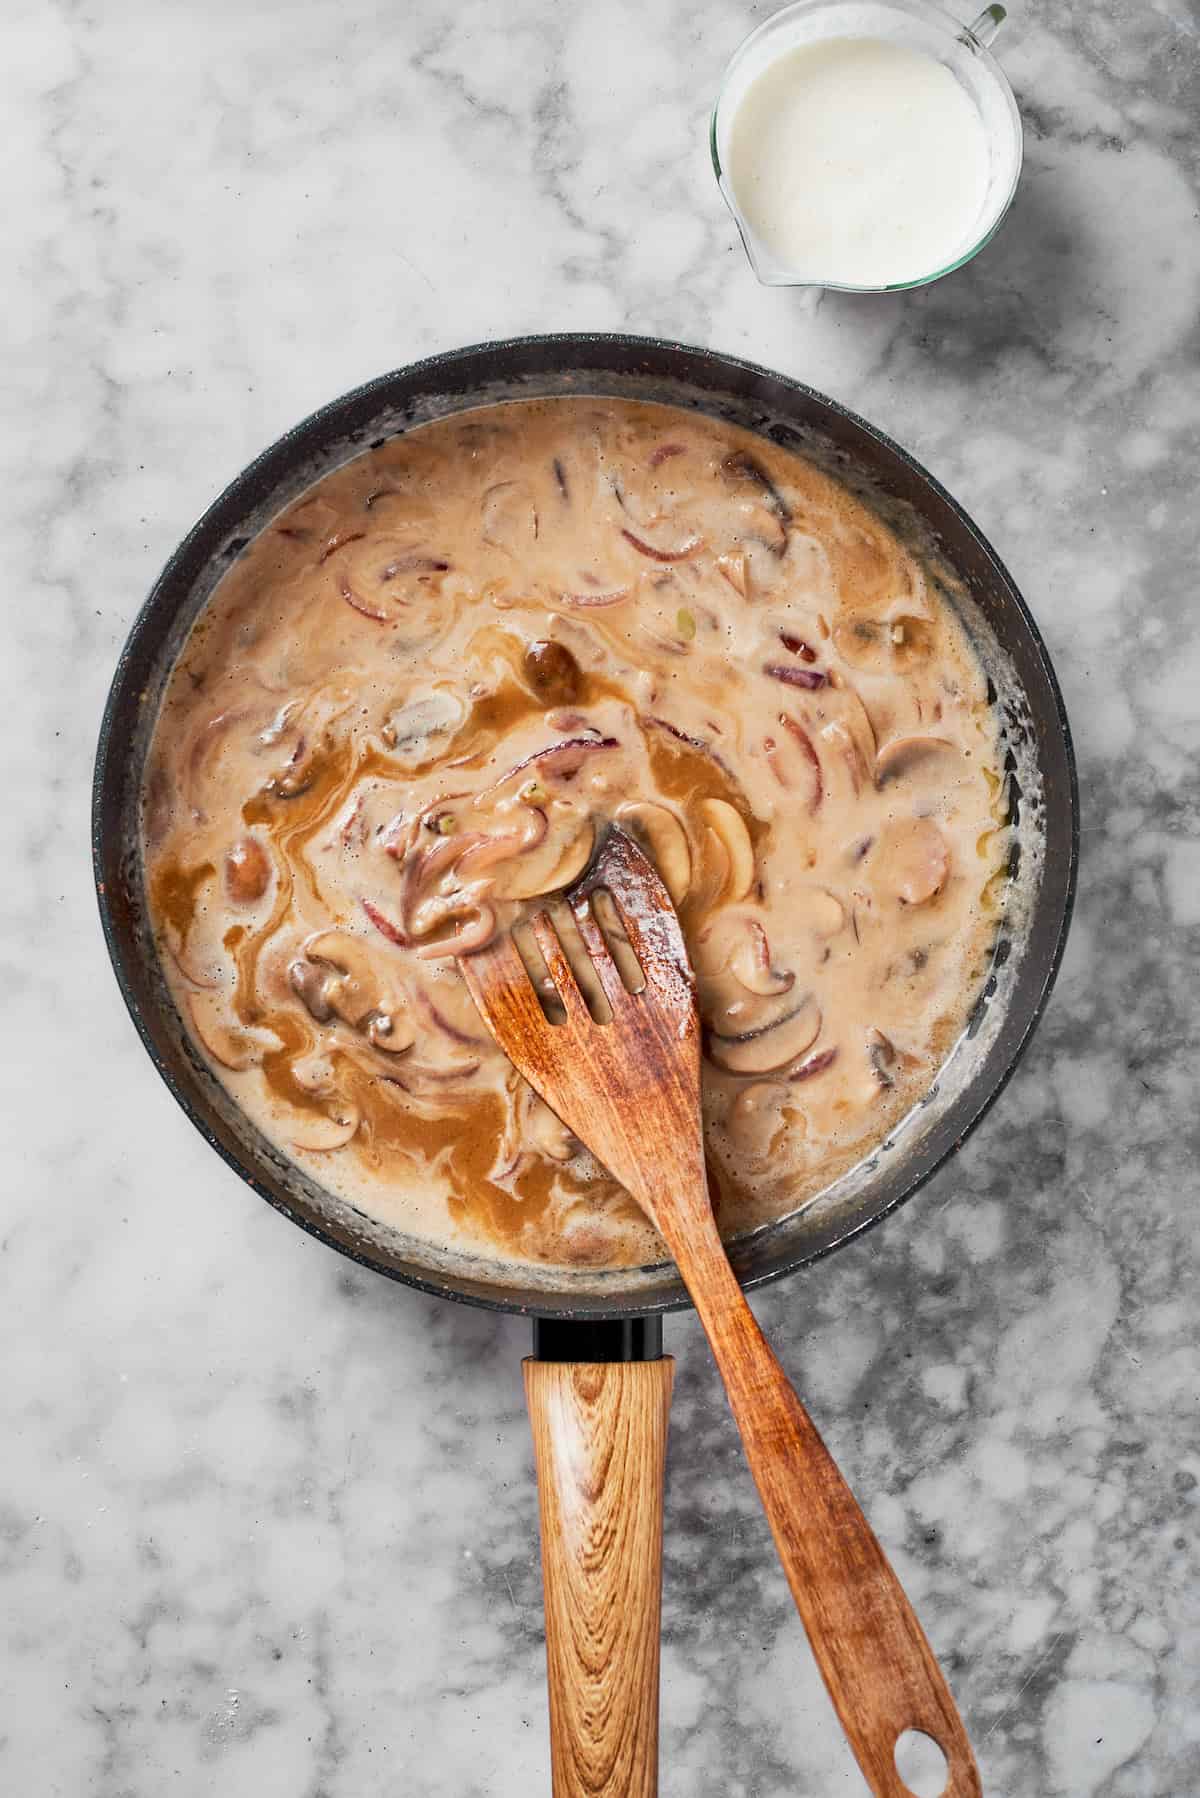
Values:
[(872, 1652), (600, 1443)]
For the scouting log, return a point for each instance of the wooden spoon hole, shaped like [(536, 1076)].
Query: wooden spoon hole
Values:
[(580, 962), (619, 946), (526, 945), (921, 1764)]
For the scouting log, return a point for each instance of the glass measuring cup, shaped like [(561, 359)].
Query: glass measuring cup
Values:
[(917, 25)]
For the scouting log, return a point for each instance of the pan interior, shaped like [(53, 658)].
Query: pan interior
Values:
[(1034, 741)]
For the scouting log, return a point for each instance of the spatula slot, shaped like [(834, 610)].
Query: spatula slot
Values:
[(569, 963), (619, 946), (526, 945)]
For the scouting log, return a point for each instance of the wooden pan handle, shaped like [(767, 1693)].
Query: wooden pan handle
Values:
[(600, 1444), (879, 1669)]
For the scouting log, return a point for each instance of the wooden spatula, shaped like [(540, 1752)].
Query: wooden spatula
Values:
[(629, 1088)]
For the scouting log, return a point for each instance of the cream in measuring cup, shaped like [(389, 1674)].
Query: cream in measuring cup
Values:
[(865, 158)]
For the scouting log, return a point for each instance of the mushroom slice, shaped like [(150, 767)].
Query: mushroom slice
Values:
[(729, 827), (773, 1045), (352, 988), (232, 1045), (736, 940), (314, 1072), (819, 910), (556, 868), (545, 1132), (323, 1131), (907, 755), (886, 1060), (911, 860), (881, 1053), (307, 981), (751, 964), (408, 730), (912, 640), (509, 517), (756, 1121), (741, 467), (664, 839), (864, 642), (553, 673), (882, 645), (390, 1031), (729, 1009), (247, 871)]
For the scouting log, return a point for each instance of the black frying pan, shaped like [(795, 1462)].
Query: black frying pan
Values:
[(613, 1316)]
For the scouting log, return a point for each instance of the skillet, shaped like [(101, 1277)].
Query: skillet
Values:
[(588, 1317)]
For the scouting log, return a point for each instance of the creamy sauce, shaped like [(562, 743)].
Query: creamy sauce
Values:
[(417, 696), (860, 162)]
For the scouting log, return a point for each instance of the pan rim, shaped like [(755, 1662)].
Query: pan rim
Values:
[(325, 418)]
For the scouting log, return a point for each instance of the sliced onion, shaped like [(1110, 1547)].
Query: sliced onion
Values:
[(384, 925), (612, 598), (338, 541), (794, 761), (485, 851), (662, 555), (816, 1064), (417, 1071), (358, 603), (447, 1026), (562, 759), (466, 941), (808, 678)]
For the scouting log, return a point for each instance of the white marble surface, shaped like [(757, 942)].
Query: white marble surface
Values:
[(267, 1522)]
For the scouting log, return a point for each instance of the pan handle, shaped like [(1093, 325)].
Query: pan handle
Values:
[(600, 1444)]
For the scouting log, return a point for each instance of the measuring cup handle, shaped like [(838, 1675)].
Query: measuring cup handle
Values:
[(984, 28)]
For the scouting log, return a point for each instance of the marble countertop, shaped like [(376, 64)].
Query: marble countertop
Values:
[(267, 1522)]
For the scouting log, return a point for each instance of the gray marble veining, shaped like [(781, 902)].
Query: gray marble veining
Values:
[(267, 1524)]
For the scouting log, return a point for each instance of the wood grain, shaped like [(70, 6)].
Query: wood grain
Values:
[(875, 1660), (630, 1090), (600, 1443)]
